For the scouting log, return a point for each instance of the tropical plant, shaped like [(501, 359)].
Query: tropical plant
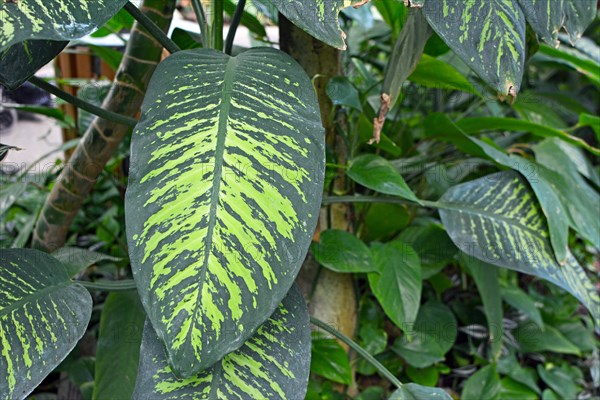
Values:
[(235, 159)]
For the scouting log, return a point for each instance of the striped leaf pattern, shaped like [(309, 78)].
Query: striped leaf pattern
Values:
[(61, 20), (319, 18), (273, 364), (488, 35), (547, 17), (497, 220), (225, 187), (42, 316)]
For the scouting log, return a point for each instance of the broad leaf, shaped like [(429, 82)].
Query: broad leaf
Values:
[(21, 61), (225, 187), (497, 220), (36, 19), (76, 259), (118, 351), (42, 316), (377, 173), (548, 17), (562, 379), (484, 384), (343, 93), (412, 391), (521, 301), (342, 251), (397, 284), (434, 333), (573, 58), (437, 74), (319, 18), (488, 35), (273, 364), (248, 20), (532, 340), (330, 360)]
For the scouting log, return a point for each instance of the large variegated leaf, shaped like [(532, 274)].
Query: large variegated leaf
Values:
[(42, 316), (488, 35), (272, 364), (20, 61), (547, 17), (319, 18), (63, 20), (225, 186), (497, 220)]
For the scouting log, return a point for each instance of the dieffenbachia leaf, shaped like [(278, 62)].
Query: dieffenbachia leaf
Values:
[(42, 316), (65, 20), (225, 187), (548, 17), (319, 18), (272, 364), (498, 220), (487, 35), (21, 61)]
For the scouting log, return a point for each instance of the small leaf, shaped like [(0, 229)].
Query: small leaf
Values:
[(488, 36), (76, 259), (398, 283), (273, 364), (330, 361), (561, 380), (9, 193), (342, 251), (412, 391), (42, 317), (377, 173), (521, 301), (484, 384), (437, 74), (532, 340), (343, 93)]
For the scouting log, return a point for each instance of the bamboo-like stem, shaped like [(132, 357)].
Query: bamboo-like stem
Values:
[(84, 105), (151, 27), (235, 23), (103, 137), (362, 352)]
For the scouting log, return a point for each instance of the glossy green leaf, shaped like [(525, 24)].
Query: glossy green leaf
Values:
[(377, 173), (343, 93), (397, 284), (591, 121), (342, 251), (497, 220), (484, 384), (186, 40), (273, 364), (330, 361), (486, 280), (406, 54), (319, 18), (21, 61), (76, 259), (521, 301), (38, 19), (488, 36), (118, 350), (412, 391), (548, 17), (224, 193), (384, 221), (110, 56), (561, 379), (437, 74), (573, 59), (526, 376), (42, 317), (433, 335), (532, 340), (248, 20)]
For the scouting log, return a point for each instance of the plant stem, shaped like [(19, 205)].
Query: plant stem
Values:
[(201, 17), (383, 370), (151, 27), (216, 23), (84, 105), (235, 22), (109, 286), (373, 199)]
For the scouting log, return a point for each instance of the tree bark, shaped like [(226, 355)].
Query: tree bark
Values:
[(103, 137)]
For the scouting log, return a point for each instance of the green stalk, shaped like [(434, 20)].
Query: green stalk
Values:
[(235, 23), (109, 286), (151, 27), (363, 353), (201, 17), (103, 137), (82, 104), (373, 199), (216, 23)]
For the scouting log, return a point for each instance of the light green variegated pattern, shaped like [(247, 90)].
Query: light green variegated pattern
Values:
[(319, 18), (225, 186), (498, 220), (547, 17), (272, 364), (488, 35), (42, 316), (53, 20)]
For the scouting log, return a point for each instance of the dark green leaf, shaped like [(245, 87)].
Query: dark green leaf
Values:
[(521, 301), (76, 259), (525, 375), (343, 93), (118, 350), (423, 376), (225, 187), (110, 56), (248, 20), (384, 220), (186, 40), (591, 121), (9, 193), (561, 380), (484, 384), (412, 391), (531, 339), (434, 73), (330, 361), (272, 364), (42, 317), (513, 390), (573, 59), (343, 252)]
